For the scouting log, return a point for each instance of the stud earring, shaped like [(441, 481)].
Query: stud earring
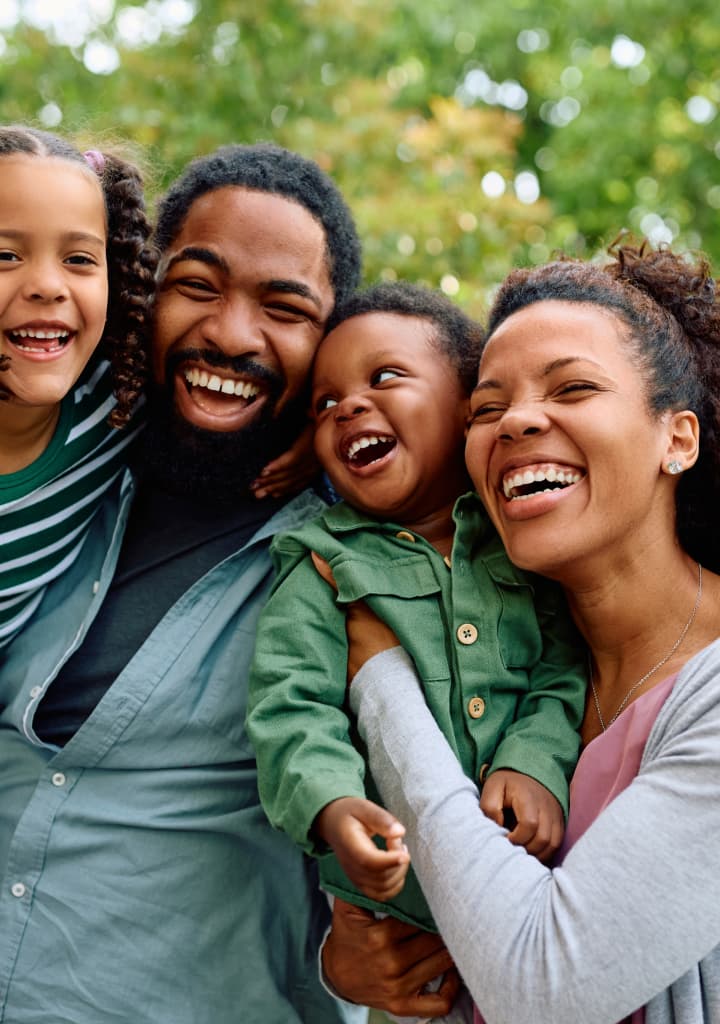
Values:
[(674, 467)]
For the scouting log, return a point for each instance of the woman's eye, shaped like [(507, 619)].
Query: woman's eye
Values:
[(383, 375), (577, 386), (324, 403), (484, 412)]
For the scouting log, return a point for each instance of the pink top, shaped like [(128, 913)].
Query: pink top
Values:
[(607, 765)]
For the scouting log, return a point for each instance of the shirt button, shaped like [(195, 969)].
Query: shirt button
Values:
[(404, 535), (96, 586), (467, 633), (18, 889), (58, 779), (476, 707), (36, 691), (447, 561)]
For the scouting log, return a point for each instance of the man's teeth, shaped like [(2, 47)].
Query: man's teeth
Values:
[(365, 442), (202, 379), (528, 476)]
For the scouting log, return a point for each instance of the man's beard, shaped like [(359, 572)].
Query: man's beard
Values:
[(183, 459)]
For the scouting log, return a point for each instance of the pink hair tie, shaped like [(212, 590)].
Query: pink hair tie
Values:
[(96, 160)]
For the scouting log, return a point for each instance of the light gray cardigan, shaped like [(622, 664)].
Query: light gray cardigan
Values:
[(633, 915)]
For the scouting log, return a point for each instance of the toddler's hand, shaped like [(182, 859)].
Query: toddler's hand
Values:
[(538, 817), (347, 825), (290, 472)]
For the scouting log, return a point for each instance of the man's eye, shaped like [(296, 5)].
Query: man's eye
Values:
[(383, 375), (195, 286), (324, 403), (282, 311)]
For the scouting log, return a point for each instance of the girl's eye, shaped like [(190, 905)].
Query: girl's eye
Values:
[(383, 375), (7, 256), (324, 403), (81, 260)]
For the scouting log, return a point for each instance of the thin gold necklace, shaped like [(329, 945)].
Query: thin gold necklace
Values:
[(654, 669)]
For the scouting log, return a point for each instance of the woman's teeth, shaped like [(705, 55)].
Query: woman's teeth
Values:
[(515, 486)]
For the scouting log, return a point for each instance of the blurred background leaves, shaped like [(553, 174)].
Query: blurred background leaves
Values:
[(466, 137)]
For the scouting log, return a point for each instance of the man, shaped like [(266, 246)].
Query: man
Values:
[(141, 880)]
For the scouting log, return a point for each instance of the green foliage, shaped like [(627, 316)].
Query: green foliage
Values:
[(410, 105)]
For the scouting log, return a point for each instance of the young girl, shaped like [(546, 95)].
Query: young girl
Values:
[(390, 397), (76, 282)]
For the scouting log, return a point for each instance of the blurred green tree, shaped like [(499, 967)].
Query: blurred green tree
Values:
[(466, 137)]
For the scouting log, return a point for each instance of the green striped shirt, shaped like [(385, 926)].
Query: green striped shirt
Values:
[(46, 508)]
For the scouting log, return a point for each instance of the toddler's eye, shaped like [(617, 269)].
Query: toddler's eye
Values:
[(324, 403), (382, 375)]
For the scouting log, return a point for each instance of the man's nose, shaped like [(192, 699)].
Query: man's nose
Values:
[(236, 329)]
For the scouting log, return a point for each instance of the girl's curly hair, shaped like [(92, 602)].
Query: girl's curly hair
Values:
[(669, 308), (131, 260)]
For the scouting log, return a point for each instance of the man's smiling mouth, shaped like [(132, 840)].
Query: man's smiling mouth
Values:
[(197, 378), (529, 481)]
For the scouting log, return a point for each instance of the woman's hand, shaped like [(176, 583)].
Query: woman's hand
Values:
[(387, 964), (367, 634)]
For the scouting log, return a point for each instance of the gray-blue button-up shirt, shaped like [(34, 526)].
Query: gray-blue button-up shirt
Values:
[(140, 879)]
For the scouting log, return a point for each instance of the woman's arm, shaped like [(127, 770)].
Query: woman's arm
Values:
[(632, 908)]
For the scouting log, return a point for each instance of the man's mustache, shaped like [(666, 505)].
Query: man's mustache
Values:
[(243, 366)]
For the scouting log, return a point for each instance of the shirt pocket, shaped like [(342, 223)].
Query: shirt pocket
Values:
[(407, 595), (519, 638)]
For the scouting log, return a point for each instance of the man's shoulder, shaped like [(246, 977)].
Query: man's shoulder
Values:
[(293, 516)]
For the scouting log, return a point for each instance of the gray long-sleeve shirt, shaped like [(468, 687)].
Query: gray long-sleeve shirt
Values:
[(632, 917)]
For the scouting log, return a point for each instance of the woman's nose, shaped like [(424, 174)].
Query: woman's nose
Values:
[(521, 421)]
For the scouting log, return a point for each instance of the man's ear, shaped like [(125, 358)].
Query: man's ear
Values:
[(683, 442)]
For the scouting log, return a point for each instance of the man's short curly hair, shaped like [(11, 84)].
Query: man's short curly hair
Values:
[(265, 167), (456, 336)]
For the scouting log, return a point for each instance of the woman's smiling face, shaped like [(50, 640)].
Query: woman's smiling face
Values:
[(561, 444)]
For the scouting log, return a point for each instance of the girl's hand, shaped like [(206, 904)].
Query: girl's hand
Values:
[(290, 472), (367, 634)]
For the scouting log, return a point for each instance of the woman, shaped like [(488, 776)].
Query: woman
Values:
[(611, 374)]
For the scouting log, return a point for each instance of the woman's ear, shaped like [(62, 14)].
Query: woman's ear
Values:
[(683, 442)]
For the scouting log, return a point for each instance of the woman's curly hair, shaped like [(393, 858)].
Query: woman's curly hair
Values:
[(131, 260), (668, 304)]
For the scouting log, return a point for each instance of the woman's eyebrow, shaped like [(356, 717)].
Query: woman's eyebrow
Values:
[(555, 364)]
